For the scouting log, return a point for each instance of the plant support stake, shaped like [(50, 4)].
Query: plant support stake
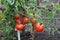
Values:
[(18, 33)]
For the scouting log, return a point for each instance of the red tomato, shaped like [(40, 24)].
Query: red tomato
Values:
[(33, 21), (19, 27), (18, 21), (25, 20), (38, 27), (17, 16)]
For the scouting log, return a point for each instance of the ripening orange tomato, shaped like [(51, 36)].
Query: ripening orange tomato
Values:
[(33, 21)]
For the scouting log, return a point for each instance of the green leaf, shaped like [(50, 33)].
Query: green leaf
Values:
[(6, 29), (2, 18), (57, 6), (50, 14), (0, 1), (10, 2), (0, 11)]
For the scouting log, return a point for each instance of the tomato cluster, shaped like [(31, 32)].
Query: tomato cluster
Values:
[(24, 20)]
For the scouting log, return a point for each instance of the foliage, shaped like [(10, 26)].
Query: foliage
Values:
[(2, 17)]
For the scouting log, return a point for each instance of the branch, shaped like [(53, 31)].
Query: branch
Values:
[(24, 9)]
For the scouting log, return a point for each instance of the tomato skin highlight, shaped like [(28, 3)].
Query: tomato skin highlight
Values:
[(24, 20), (41, 28), (38, 27), (19, 27), (17, 16)]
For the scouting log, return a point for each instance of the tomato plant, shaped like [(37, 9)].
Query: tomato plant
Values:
[(29, 8)]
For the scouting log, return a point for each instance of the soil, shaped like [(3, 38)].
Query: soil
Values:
[(40, 36)]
